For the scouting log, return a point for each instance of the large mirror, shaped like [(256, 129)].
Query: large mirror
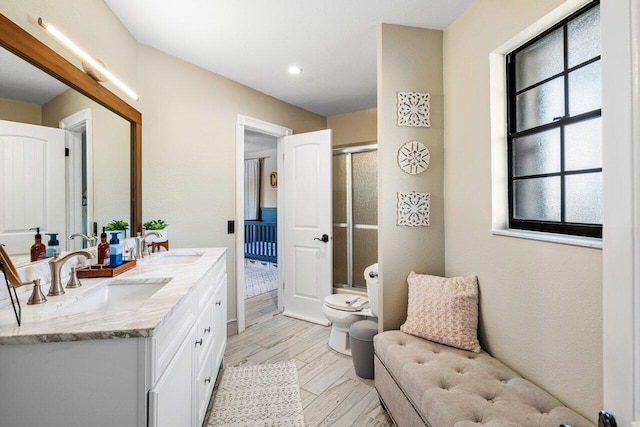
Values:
[(69, 149)]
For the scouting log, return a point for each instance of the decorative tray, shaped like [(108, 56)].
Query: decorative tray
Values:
[(100, 270)]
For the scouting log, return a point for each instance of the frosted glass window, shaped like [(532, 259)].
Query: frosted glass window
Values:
[(583, 145), (540, 105), (585, 89), (537, 154), (340, 188), (365, 187), (541, 60), (583, 202), (554, 102), (537, 198), (584, 37)]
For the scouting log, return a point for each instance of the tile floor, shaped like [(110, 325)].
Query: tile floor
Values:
[(332, 394)]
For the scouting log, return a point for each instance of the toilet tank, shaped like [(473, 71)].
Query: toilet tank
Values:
[(372, 287)]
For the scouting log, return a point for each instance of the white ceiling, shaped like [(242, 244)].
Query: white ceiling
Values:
[(254, 42), (21, 81)]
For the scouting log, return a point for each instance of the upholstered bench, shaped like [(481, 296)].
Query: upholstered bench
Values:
[(424, 383)]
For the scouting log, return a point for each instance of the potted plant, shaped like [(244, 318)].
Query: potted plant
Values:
[(120, 226), (159, 226)]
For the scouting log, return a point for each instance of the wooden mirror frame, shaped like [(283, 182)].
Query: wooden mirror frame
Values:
[(24, 45)]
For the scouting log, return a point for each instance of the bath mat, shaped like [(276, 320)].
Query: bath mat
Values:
[(258, 395), (259, 278)]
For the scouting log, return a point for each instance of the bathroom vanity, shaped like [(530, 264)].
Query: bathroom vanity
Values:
[(142, 349)]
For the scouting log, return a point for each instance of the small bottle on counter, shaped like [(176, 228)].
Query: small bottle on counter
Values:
[(53, 245), (103, 249), (38, 249), (115, 251)]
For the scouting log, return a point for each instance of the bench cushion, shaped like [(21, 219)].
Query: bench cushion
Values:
[(451, 387)]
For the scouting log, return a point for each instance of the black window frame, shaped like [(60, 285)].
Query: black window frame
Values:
[(562, 226)]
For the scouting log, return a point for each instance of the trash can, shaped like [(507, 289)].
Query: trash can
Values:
[(361, 335)]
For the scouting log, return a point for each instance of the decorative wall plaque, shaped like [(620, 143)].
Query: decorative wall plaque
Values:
[(413, 209), (414, 157), (414, 109)]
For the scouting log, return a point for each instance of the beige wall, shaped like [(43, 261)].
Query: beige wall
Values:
[(354, 128), (110, 143), (540, 302), (189, 149), (22, 112), (409, 60), (189, 121)]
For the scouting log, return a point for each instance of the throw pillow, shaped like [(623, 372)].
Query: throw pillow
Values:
[(443, 310)]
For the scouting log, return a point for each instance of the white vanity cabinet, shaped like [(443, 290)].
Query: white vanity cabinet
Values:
[(123, 372), (185, 377)]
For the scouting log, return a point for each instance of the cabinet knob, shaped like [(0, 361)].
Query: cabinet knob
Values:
[(199, 341), (218, 302), (207, 330), (207, 380)]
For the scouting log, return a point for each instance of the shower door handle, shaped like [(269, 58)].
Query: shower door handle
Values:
[(324, 238)]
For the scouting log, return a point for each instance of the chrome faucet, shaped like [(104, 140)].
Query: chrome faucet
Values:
[(142, 248), (90, 239), (56, 266)]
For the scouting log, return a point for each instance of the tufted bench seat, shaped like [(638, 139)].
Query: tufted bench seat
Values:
[(425, 383)]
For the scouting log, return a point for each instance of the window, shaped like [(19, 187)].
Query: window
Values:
[(554, 129)]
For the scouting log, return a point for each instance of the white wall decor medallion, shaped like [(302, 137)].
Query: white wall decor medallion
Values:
[(414, 109), (413, 209), (414, 157)]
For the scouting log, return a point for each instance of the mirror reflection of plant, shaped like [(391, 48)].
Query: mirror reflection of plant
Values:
[(116, 225), (155, 224)]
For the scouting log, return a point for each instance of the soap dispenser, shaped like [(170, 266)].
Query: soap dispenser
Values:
[(115, 251), (103, 249), (53, 246), (38, 249)]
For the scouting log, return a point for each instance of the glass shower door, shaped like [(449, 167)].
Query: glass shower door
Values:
[(355, 214)]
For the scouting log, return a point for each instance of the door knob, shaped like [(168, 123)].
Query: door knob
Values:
[(324, 238)]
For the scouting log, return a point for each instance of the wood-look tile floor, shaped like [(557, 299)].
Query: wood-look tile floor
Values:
[(332, 394)]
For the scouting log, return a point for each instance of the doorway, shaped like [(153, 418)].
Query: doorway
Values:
[(260, 226), (79, 177), (257, 251)]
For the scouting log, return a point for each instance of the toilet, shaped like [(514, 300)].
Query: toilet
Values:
[(342, 310)]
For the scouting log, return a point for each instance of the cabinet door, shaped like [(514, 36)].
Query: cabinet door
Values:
[(171, 399), (220, 322)]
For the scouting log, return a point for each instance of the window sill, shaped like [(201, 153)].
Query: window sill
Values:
[(587, 242)]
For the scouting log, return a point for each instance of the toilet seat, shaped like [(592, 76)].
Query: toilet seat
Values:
[(339, 302)]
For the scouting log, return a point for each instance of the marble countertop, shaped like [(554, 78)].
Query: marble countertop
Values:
[(48, 322)]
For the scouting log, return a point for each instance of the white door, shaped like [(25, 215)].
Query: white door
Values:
[(307, 218), (32, 184)]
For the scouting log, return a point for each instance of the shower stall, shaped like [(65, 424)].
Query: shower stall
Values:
[(355, 213)]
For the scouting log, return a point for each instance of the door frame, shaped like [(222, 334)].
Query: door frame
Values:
[(249, 123), (80, 120), (621, 229)]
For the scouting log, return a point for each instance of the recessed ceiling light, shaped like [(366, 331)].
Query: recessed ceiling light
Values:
[(294, 69)]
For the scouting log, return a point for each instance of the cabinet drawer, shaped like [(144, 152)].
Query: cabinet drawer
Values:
[(219, 313), (204, 385), (170, 335), (205, 332), (208, 284)]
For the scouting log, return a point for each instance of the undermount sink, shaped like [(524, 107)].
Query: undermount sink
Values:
[(116, 295), (173, 258)]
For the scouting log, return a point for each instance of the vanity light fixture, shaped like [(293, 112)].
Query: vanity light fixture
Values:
[(294, 69), (96, 65)]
